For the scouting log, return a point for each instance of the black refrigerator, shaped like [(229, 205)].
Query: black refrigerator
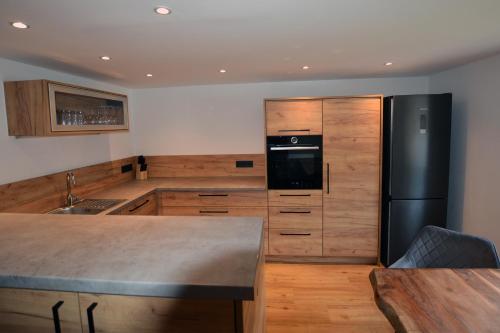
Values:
[(415, 165)]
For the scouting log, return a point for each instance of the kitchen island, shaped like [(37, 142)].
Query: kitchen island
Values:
[(130, 274)]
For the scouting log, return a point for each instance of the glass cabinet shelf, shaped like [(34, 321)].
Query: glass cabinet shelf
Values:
[(79, 109), (49, 108)]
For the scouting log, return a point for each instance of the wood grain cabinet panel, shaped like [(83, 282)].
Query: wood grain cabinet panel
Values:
[(351, 187), (295, 242), (221, 211), (142, 206), (31, 311), (215, 198), (294, 117), (354, 165), (216, 211), (294, 198), (352, 117), (295, 217), (129, 314)]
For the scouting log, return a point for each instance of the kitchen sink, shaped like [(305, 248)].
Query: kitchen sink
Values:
[(88, 207)]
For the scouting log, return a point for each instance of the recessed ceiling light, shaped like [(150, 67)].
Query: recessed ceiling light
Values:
[(149, 75), (19, 25), (388, 63), (163, 10), (105, 58), (305, 67), (222, 70)]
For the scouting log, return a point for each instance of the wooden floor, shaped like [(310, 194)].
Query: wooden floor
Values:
[(310, 298)]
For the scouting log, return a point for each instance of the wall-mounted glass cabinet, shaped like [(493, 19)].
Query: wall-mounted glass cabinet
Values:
[(46, 108)]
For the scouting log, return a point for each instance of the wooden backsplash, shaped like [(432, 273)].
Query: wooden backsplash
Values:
[(204, 165), (42, 194)]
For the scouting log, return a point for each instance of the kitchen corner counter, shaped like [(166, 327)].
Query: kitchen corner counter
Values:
[(179, 257), (137, 188)]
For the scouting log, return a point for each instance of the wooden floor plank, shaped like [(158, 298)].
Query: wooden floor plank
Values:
[(309, 298)]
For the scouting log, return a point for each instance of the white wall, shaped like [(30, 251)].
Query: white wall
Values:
[(31, 157), (474, 198), (225, 119)]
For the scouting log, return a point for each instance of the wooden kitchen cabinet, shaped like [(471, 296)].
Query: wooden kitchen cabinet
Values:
[(132, 314), (295, 242), (294, 117), (351, 181), (147, 205), (32, 311), (47, 108), (295, 223), (217, 203), (294, 198)]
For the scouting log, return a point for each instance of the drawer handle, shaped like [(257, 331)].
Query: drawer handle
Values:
[(213, 195), (295, 195), (295, 212), (90, 317), (295, 130), (214, 211), (328, 178), (295, 234), (55, 315), (139, 206)]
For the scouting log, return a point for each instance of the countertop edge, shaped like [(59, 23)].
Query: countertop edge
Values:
[(146, 289)]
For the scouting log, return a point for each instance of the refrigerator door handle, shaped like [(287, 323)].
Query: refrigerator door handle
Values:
[(390, 146)]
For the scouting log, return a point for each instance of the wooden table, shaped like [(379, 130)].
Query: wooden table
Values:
[(439, 300)]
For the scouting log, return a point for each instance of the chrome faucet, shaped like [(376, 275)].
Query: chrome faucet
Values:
[(70, 182)]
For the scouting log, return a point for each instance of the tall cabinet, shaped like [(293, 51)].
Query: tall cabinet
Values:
[(349, 220), (351, 188)]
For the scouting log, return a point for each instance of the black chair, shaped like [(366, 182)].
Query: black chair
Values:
[(436, 247)]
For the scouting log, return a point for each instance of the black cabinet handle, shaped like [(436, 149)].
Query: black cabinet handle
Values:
[(295, 234), (90, 317), (295, 195), (328, 178), (55, 316), (212, 195), (295, 212), (214, 211), (302, 130), (139, 206)]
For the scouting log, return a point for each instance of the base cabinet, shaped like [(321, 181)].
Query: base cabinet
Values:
[(295, 223), (217, 203), (147, 205), (128, 314), (33, 311)]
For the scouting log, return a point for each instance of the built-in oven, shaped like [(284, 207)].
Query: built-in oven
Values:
[(295, 162)]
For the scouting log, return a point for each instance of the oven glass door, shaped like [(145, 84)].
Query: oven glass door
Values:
[(292, 168)]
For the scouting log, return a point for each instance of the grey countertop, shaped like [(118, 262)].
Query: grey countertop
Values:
[(183, 257)]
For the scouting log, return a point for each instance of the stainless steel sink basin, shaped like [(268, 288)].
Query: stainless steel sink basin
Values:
[(88, 207), (76, 210)]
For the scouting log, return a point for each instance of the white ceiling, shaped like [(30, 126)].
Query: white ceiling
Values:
[(255, 40)]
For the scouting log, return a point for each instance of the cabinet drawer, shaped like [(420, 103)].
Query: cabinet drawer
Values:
[(145, 206), (295, 242), (295, 198), (295, 217), (294, 117), (31, 311), (216, 211), (215, 198)]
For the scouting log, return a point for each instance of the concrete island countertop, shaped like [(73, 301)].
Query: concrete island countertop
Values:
[(136, 189), (182, 257)]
